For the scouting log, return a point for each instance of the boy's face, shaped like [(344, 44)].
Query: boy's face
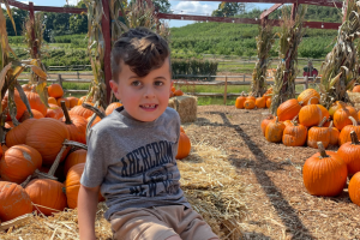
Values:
[(145, 98)]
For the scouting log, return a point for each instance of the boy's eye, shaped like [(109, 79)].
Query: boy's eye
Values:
[(159, 83), (136, 83)]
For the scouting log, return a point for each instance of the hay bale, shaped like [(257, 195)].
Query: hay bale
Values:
[(186, 106), (354, 99)]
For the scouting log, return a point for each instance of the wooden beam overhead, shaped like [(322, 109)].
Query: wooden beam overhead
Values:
[(266, 13)]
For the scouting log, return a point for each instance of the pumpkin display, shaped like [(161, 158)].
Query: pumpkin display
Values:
[(54, 111), (112, 107), (308, 94), (239, 103), (35, 102), (335, 106), (274, 131), (19, 162), (20, 105), (14, 201), (265, 122), (81, 111), (345, 132), (55, 90), (75, 124), (17, 135), (319, 134), (342, 114), (334, 134), (48, 193), (288, 110), (350, 153), (354, 189), (260, 102), (294, 135), (249, 104), (73, 101), (178, 92), (310, 115), (324, 173), (78, 156), (47, 135), (184, 146)]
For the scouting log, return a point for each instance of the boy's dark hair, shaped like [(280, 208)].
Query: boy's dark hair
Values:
[(141, 49)]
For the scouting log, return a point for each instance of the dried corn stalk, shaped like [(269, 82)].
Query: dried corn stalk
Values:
[(264, 43), (338, 69), (35, 44), (290, 34)]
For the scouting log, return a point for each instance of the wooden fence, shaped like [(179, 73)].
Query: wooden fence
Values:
[(61, 78)]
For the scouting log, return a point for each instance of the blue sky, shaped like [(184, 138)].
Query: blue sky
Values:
[(187, 7)]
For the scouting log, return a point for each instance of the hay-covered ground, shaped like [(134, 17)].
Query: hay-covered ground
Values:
[(278, 205)]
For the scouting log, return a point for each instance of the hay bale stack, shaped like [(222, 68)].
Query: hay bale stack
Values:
[(186, 106), (214, 189), (354, 99)]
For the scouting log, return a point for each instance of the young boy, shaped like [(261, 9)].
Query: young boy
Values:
[(131, 153)]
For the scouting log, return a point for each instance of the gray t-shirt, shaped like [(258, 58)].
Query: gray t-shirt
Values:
[(134, 162)]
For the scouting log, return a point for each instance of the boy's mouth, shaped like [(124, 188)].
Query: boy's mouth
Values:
[(149, 106)]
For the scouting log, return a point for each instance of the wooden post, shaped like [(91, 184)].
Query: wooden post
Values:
[(105, 24), (244, 78), (32, 22), (306, 82), (60, 80), (225, 90), (78, 74)]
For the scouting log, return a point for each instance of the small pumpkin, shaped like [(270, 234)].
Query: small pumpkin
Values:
[(354, 188), (37, 114), (342, 114), (54, 111), (14, 201), (345, 132), (324, 173), (249, 104), (178, 92), (260, 102), (265, 122), (239, 103), (17, 135), (319, 134), (20, 105), (112, 107), (184, 147), (73, 101), (35, 102), (310, 115), (274, 131), (52, 100), (81, 111), (294, 135), (268, 102), (334, 134), (78, 156), (308, 94), (350, 153), (55, 90), (75, 124), (288, 109), (67, 102)]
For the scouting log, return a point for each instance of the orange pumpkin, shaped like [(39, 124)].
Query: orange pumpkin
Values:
[(268, 102), (324, 173), (112, 107), (67, 102), (288, 110), (73, 101), (17, 135), (54, 111), (52, 100), (350, 153), (184, 146), (37, 114), (260, 102), (265, 122), (294, 135), (252, 98), (249, 104), (14, 201), (28, 87), (182, 129), (308, 94), (48, 193), (239, 103), (47, 135), (310, 115), (36, 103), (342, 114), (97, 119), (356, 88), (76, 125), (55, 90), (334, 134), (19, 162), (178, 92), (81, 111), (274, 131), (78, 156), (318, 134), (354, 189), (20, 105), (345, 132)]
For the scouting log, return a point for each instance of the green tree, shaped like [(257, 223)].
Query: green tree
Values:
[(19, 17), (162, 5), (78, 23), (227, 9)]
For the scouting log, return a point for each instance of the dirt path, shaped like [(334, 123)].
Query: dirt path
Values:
[(279, 206)]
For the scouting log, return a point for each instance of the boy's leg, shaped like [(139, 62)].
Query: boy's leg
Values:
[(140, 224)]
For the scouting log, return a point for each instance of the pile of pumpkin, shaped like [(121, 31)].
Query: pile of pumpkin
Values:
[(175, 92), (43, 158), (315, 123), (250, 102)]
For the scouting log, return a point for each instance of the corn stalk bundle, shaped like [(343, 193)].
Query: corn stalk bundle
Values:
[(264, 43), (338, 69), (290, 34), (35, 26), (10, 69)]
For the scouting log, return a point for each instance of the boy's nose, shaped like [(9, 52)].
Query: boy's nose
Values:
[(149, 92)]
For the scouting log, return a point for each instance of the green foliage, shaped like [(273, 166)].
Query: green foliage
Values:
[(194, 67), (227, 9)]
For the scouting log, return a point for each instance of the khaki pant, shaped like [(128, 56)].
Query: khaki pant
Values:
[(159, 223)]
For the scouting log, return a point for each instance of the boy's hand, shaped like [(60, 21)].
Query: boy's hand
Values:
[(87, 207)]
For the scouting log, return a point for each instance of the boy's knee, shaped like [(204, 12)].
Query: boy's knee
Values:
[(173, 237)]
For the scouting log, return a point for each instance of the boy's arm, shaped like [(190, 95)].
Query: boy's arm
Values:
[(87, 207)]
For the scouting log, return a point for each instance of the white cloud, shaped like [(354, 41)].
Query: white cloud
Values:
[(73, 2), (25, 2), (193, 8)]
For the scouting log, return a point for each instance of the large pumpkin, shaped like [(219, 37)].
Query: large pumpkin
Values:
[(55, 90), (19, 162), (341, 116), (47, 135), (48, 193), (112, 107), (350, 153), (288, 110), (354, 189), (78, 156), (318, 134), (294, 135), (20, 105), (184, 146), (324, 173), (345, 132), (73, 101), (81, 111), (17, 135), (35, 102), (308, 94), (75, 124), (310, 115), (14, 201)]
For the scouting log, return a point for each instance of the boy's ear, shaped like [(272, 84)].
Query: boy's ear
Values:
[(115, 88)]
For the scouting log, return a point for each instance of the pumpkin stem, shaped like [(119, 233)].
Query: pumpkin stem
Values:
[(276, 119), (353, 120), (331, 124), (94, 109), (322, 122), (55, 165), (322, 150), (24, 183), (66, 113), (309, 102), (295, 118), (42, 175), (354, 138), (75, 144)]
